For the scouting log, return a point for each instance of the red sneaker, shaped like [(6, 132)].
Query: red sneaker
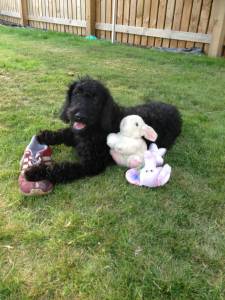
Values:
[(34, 154), (32, 188)]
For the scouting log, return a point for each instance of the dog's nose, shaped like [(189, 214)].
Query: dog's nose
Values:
[(78, 116)]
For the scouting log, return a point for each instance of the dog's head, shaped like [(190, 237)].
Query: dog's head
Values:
[(88, 104)]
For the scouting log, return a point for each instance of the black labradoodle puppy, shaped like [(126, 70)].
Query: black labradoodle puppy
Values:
[(92, 114)]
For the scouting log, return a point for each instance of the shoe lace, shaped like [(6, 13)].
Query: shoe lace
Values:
[(36, 160)]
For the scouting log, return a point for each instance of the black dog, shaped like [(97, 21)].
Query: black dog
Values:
[(92, 114)]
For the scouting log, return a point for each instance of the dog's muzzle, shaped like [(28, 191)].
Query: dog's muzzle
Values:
[(79, 122)]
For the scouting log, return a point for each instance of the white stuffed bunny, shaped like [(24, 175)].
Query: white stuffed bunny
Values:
[(128, 146), (153, 174)]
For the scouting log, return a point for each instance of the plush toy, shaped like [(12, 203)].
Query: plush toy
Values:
[(153, 174), (128, 146)]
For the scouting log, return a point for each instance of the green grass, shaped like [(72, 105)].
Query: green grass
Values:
[(100, 238)]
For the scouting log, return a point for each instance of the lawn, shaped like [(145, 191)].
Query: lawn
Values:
[(100, 238)]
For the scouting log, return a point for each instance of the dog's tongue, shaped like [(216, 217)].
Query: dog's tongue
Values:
[(79, 125)]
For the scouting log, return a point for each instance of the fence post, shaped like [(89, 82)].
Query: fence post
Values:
[(114, 9), (218, 33), (23, 12), (91, 15)]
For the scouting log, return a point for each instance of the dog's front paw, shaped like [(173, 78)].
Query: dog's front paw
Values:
[(44, 137), (36, 173)]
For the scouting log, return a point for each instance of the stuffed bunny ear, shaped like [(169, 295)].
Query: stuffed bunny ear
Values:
[(159, 160), (162, 151), (153, 147), (149, 133)]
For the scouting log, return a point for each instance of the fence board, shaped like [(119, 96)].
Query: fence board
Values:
[(44, 11), (139, 20), (50, 14), (61, 14), (210, 25), (126, 13), (66, 15), (98, 16), (74, 14), (119, 19), (204, 18), (103, 16), (57, 14), (30, 12), (39, 9), (161, 20), (36, 24), (47, 26), (83, 16), (70, 14), (146, 20), (32, 23), (153, 20), (53, 15), (132, 19), (108, 16), (194, 20), (169, 20), (177, 20), (185, 20), (38, 12), (218, 32)]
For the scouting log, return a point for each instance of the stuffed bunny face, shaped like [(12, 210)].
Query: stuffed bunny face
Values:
[(134, 126), (149, 172)]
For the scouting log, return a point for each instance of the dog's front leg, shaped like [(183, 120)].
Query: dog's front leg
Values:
[(61, 136), (63, 172)]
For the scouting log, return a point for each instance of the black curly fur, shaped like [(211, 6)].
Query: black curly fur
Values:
[(89, 102)]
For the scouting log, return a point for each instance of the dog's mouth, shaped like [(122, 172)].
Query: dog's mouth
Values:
[(79, 125)]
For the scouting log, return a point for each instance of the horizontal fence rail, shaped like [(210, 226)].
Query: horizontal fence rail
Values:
[(160, 33), (13, 14), (149, 23), (60, 21)]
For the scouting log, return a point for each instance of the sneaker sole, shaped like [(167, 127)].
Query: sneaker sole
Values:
[(36, 192)]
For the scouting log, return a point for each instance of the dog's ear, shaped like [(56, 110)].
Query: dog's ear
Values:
[(110, 114), (64, 109)]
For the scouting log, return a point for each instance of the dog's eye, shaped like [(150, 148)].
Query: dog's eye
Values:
[(95, 97), (136, 124), (79, 91)]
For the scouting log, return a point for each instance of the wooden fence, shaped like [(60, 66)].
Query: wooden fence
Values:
[(149, 23)]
